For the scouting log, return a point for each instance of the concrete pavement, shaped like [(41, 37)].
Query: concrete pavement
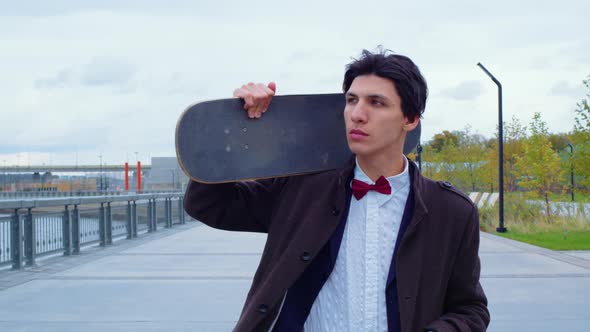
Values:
[(194, 278)]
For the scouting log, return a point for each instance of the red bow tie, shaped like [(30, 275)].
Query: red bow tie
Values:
[(360, 188)]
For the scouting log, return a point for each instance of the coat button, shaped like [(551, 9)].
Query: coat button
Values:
[(263, 308), (335, 212), (447, 184), (305, 256)]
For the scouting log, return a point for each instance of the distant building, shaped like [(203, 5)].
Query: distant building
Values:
[(165, 174), (45, 182)]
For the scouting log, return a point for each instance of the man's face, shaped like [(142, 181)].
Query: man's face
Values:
[(375, 124)]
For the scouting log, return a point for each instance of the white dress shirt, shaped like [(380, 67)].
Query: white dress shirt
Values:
[(353, 297)]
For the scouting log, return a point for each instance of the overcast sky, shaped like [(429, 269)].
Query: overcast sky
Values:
[(81, 79)]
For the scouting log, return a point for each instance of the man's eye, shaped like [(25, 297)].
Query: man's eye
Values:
[(350, 100), (377, 102)]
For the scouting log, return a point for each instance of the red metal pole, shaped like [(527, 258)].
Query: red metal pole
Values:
[(126, 176), (139, 176)]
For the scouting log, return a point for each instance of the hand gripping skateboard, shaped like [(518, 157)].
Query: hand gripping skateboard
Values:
[(216, 141)]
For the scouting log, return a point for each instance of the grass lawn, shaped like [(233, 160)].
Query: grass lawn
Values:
[(527, 223), (552, 239), (580, 197)]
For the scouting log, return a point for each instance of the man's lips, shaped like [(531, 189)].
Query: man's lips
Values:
[(358, 135), (358, 132)]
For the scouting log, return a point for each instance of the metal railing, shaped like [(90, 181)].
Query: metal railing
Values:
[(67, 224), (76, 193)]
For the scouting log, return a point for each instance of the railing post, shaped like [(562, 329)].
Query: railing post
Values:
[(109, 224), (129, 224), (155, 213), (67, 232), (76, 230), (16, 233), (167, 213), (179, 207), (180, 212), (30, 241), (149, 215), (102, 226), (134, 219), (170, 211)]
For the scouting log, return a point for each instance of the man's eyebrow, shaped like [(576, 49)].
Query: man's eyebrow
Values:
[(372, 96), (378, 96)]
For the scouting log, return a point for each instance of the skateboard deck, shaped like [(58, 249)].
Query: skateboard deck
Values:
[(216, 142)]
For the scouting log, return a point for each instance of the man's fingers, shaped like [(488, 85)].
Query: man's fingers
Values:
[(257, 97), (268, 93), (260, 95)]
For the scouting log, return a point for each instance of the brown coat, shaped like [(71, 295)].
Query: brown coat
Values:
[(437, 263)]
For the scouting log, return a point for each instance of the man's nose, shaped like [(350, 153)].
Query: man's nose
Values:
[(359, 112)]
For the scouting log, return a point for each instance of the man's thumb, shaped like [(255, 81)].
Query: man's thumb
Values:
[(272, 86)]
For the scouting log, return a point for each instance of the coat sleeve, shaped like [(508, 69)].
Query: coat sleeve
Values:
[(465, 303), (238, 206)]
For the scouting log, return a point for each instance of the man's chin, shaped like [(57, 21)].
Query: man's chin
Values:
[(359, 152)]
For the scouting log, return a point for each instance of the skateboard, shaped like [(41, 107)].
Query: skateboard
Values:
[(216, 142)]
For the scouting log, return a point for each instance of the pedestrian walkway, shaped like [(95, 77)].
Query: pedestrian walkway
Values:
[(535, 289), (194, 278)]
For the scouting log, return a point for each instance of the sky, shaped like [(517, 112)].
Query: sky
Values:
[(83, 81)]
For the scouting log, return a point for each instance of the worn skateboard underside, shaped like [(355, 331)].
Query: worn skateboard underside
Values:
[(217, 142)]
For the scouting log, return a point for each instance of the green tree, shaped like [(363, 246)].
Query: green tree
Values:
[(489, 168), (581, 139), (558, 141), (441, 139), (429, 155), (514, 139), (446, 160), (539, 168), (470, 159), (440, 156)]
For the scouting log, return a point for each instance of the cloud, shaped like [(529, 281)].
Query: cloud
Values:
[(39, 147), (565, 89), (468, 90), (62, 79), (104, 71), (99, 72), (113, 76)]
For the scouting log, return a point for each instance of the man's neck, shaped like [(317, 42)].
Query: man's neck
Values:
[(374, 167)]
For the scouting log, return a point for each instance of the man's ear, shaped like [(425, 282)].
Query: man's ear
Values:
[(410, 124)]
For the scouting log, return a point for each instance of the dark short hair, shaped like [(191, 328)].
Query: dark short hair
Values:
[(408, 81)]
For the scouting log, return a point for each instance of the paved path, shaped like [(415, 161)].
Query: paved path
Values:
[(194, 278)]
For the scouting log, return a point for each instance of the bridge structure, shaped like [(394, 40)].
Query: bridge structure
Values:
[(70, 168)]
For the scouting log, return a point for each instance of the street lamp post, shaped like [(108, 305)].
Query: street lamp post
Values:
[(501, 228), (571, 168), (419, 157)]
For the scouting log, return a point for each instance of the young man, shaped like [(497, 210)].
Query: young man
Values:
[(370, 247)]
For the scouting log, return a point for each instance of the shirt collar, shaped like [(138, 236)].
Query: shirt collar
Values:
[(396, 182)]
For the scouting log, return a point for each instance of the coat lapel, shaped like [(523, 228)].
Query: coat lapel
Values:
[(414, 212)]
